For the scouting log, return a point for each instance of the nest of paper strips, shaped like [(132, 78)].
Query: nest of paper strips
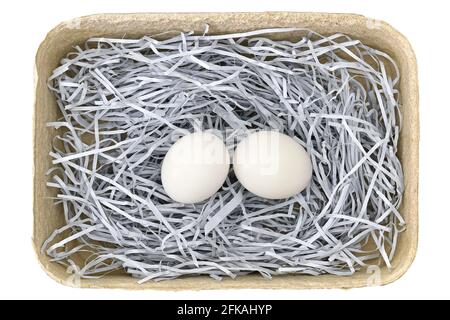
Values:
[(125, 101)]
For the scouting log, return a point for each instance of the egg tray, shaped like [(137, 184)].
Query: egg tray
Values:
[(124, 101)]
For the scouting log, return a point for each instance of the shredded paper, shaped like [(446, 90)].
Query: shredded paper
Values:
[(124, 102)]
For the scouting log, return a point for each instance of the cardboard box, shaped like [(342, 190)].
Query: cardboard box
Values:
[(60, 40)]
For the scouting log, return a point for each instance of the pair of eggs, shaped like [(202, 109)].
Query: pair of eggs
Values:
[(269, 164)]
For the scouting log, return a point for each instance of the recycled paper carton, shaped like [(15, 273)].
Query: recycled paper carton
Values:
[(378, 34)]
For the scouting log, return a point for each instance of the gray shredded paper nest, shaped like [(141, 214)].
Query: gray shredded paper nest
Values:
[(125, 101)]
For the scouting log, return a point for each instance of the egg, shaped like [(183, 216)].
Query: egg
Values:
[(272, 165), (195, 167)]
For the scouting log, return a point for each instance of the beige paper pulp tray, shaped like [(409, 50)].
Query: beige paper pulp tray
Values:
[(60, 40)]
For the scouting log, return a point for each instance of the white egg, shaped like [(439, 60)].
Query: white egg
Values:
[(195, 167), (272, 165)]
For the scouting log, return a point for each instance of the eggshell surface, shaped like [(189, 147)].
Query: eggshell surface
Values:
[(272, 165), (195, 167)]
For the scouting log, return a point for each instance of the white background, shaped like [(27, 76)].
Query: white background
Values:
[(23, 27)]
